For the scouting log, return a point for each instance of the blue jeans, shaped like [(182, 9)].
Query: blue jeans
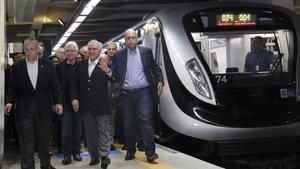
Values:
[(71, 123), (138, 112)]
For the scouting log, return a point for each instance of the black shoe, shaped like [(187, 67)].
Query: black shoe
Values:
[(151, 158), (124, 147), (129, 156), (51, 167), (112, 147), (94, 161), (77, 157), (105, 161), (140, 147), (48, 167), (67, 160)]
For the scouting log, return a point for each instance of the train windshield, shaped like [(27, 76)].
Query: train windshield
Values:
[(242, 42)]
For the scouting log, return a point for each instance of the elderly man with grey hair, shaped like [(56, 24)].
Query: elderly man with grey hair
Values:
[(90, 94), (71, 121)]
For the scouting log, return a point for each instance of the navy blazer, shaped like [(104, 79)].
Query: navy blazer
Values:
[(151, 69), (23, 93), (92, 91)]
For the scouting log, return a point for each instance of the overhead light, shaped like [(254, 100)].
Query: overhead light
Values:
[(61, 22), (56, 47), (80, 19), (73, 27), (46, 19), (62, 40), (89, 7), (86, 11), (67, 34), (93, 3)]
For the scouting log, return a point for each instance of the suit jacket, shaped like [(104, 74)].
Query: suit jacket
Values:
[(92, 91), (151, 69), (62, 76), (29, 99)]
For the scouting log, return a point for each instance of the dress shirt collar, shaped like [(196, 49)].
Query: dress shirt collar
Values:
[(129, 51), (34, 62), (93, 62)]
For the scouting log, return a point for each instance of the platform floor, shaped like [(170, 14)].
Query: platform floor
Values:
[(168, 159)]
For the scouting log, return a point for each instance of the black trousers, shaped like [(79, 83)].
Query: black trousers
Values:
[(31, 132)]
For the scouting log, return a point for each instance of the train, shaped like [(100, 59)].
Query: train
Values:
[(201, 49)]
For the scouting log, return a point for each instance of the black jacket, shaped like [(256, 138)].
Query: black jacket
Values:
[(22, 92), (63, 79), (92, 91)]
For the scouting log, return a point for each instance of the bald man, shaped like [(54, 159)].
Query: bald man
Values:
[(140, 80)]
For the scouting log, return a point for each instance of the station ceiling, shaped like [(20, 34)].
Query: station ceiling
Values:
[(108, 19)]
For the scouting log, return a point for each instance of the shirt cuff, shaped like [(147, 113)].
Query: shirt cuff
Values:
[(109, 73)]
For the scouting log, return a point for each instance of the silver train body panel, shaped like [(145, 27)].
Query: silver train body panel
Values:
[(181, 51)]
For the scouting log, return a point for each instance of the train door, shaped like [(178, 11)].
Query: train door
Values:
[(151, 38)]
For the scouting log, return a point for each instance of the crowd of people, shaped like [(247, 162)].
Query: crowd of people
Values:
[(99, 98)]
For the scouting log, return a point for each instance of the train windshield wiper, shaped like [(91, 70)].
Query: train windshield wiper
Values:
[(277, 67)]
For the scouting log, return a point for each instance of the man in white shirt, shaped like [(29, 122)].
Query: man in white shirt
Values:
[(34, 87), (91, 94)]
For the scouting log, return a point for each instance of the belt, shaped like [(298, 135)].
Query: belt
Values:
[(130, 91)]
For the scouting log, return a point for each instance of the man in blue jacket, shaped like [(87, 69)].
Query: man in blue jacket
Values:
[(259, 59)]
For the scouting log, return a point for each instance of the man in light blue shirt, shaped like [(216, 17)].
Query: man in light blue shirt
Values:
[(259, 59), (141, 81), (134, 77)]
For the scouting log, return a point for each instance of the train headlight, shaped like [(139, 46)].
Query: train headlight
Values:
[(198, 78)]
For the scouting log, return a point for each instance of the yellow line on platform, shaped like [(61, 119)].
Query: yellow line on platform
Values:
[(157, 164), (141, 158)]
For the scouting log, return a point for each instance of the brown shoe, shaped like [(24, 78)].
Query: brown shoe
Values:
[(151, 158)]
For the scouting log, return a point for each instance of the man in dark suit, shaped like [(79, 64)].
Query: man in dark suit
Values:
[(33, 85), (140, 81), (71, 121), (90, 94)]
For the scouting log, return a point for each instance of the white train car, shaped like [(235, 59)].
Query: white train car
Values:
[(202, 48)]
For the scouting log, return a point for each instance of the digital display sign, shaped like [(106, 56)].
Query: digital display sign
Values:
[(236, 19)]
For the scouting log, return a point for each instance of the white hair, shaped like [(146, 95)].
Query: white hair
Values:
[(95, 42), (72, 43)]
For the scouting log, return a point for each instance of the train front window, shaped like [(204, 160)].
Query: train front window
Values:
[(226, 52), (225, 40)]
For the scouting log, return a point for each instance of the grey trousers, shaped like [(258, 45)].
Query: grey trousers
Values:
[(99, 135)]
